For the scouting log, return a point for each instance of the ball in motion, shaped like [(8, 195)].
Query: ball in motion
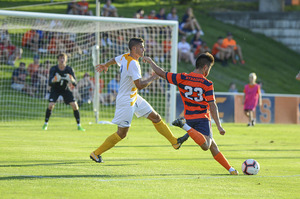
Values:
[(250, 167)]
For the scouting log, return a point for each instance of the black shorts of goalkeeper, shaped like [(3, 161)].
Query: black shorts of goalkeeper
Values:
[(66, 96)]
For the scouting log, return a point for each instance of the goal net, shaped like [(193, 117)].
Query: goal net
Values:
[(34, 40)]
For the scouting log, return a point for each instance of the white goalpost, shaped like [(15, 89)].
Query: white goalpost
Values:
[(35, 39)]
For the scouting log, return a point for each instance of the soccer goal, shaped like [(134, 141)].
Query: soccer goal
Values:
[(35, 39)]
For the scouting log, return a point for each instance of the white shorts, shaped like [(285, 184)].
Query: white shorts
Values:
[(18, 87), (124, 114)]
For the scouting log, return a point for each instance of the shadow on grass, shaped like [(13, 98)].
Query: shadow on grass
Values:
[(115, 177)]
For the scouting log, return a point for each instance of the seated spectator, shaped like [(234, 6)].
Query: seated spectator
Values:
[(40, 78), (230, 43), (56, 45), (196, 41), (161, 15), (203, 48), (109, 10), (33, 68), (220, 53), (9, 53), (18, 80), (84, 90), (184, 51), (27, 38), (71, 47), (232, 88), (189, 23), (141, 13), (73, 8), (152, 15), (167, 45), (4, 35), (173, 15), (112, 91), (83, 6)]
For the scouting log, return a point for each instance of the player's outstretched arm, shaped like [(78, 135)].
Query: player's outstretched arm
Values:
[(141, 84), (159, 71), (104, 67), (215, 115)]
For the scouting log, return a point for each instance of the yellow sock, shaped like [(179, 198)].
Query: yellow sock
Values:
[(164, 130), (110, 142)]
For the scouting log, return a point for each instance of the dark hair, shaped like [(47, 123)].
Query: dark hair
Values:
[(220, 37), (205, 59), (134, 41), (62, 55), (22, 63)]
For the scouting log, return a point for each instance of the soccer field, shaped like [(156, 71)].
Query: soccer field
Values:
[(56, 164)]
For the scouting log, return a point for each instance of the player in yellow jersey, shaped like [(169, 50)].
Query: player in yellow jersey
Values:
[(128, 100)]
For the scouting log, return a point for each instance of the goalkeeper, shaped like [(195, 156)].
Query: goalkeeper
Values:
[(61, 75)]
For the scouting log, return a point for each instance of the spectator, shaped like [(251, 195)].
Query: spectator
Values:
[(298, 76), (112, 91), (84, 90), (167, 45), (232, 88), (18, 80), (84, 8), (173, 15), (152, 15), (189, 23), (154, 48), (230, 43), (9, 52), (56, 45), (141, 13), (161, 15), (33, 68), (220, 53), (203, 48), (184, 51), (109, 10), (73, 8), (4, 35), (196, 41), (71, 47), (252, 95), (40, 78), (27, 39)]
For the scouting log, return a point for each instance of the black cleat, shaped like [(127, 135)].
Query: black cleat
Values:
[(96, 158), (253, 122), (179, 122), (180, 141)]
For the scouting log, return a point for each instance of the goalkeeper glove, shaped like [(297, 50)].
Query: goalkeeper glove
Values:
[(69, 78), (56, 78)]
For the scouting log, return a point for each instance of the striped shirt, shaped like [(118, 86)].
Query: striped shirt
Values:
[(195, 91)]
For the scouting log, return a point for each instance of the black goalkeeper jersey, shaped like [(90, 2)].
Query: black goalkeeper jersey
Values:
[(62, 84)]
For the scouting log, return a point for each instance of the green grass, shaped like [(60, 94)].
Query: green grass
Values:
[(56, 164)]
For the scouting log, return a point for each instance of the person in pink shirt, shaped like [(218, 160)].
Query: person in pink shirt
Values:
[(252, 96)]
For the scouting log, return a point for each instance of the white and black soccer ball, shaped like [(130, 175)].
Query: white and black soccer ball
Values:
[(250, 167)]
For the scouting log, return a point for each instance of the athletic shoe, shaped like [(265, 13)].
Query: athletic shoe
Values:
[(180, 141), (253, 122), (45, 127), (235, 172), (179, 122), (80, 128), (96, 158)]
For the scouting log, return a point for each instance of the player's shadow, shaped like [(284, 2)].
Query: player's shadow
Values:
[(41, 164), (118, 177)]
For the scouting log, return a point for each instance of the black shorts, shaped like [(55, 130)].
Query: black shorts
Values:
[(66, 94)]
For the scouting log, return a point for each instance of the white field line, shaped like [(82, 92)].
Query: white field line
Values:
[(145, 179)]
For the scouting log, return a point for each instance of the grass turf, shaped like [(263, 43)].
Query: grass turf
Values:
[(56, 164)]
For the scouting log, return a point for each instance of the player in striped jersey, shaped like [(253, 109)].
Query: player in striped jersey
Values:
[(197, 94), (128, 101)]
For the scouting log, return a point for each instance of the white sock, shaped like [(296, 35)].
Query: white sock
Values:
[(46, 123), (78, 124), (186, 127)]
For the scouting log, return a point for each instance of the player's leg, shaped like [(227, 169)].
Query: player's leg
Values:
[(110, 142), (69, 99), (198, 137), (52, 100), (219, 157), (240, 54)]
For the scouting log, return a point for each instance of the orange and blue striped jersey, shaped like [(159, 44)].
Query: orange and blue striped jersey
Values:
[(195, 91)]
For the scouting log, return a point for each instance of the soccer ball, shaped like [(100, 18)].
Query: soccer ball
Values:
[(250, 167)]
